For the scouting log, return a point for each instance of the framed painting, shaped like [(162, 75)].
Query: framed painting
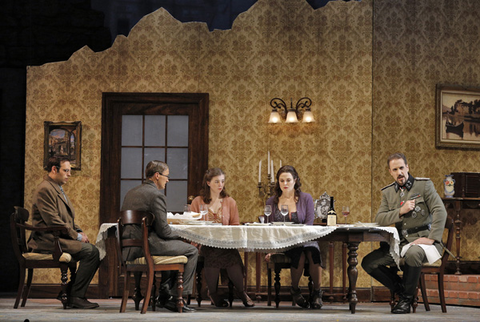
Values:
[(63, 139), (457, 117)]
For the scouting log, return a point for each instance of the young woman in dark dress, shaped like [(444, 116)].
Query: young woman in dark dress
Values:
[(300, 210)]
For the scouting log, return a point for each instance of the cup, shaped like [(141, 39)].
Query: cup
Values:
[(262, 219)]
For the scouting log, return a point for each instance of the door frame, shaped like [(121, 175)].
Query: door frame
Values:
[(114, 105)]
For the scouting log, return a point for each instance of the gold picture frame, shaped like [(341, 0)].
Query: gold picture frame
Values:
[(457, 117), (63, 139)]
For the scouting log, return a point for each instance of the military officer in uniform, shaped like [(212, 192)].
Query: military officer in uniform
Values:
[(419, 215)]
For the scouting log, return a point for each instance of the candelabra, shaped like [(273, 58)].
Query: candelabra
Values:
[(265, 190)]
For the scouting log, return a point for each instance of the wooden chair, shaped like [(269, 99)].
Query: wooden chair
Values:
[(439, 270), (148, 264), (199, 284), (430, 269), (29, 260), (279, 261)]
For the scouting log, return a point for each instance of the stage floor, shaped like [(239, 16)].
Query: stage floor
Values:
[(51, 310)]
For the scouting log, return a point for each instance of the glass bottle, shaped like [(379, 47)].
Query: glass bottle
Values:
[(332, 215)]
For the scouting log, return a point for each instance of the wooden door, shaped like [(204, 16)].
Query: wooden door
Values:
[(138, 128)]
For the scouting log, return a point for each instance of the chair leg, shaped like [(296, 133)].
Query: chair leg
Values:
[(64, 272), (126, 283), (277, 287), (310, 288), (21, 284), (424, 292), (26, 292), (153, 298), (415, 299), (199, 284), (441, 291), (148, 292), (180, 291), (269, 287), (230, 293), (137, 293), (392, 300)]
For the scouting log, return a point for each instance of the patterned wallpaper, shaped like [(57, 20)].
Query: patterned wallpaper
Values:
[(416, 45), (277, 49)]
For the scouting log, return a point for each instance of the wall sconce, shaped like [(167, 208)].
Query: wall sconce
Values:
[(291, 114)]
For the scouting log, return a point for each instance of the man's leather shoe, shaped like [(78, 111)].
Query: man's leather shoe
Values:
[(403, 306), (81, 303), (171, 305)]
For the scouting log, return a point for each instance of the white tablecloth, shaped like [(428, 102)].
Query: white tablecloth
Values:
[(102, 236), (254, 238), (267, 238)]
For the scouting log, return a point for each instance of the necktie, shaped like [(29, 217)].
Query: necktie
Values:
[(63, 193)]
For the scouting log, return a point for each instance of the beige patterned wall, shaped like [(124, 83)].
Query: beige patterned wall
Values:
[(276, 49), (418, 44)]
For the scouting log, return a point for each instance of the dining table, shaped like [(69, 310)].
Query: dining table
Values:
[(278, 238)]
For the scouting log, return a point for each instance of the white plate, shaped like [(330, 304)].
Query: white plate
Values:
[(199, 223), (258, 224), (280, 223)]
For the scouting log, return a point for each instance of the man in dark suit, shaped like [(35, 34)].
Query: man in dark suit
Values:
[(51, 207), (162, 240)]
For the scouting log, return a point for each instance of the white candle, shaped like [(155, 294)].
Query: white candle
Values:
[(280, 164), (273, 173), (260, 171), (268, 164)]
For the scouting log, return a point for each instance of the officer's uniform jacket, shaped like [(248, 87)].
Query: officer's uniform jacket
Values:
[(429, 210)]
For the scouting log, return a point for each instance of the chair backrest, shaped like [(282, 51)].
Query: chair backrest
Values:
[(143, 219), (450, 228), (17, 231)]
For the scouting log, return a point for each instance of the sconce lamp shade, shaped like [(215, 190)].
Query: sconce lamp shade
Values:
[(274, 117), (308, 117), (291, 117), (291, 114)]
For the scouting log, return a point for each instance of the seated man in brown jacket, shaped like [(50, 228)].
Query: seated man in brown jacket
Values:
[(51, 207)]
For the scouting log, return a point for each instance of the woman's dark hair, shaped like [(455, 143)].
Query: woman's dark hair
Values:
[(205, 192), (298, 183)]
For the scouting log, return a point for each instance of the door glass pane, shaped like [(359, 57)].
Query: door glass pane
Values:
[(177, 131), (155, 130), (125, 186), (131, 163), (132, 130), (154, 154), (176, 193), (177, 160)]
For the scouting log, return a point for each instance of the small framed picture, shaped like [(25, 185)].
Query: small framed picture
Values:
[(63, 139), (457, 117)]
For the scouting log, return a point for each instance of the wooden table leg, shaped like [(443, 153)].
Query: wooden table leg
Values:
[(352, 275), (331, 246), (344, 271)]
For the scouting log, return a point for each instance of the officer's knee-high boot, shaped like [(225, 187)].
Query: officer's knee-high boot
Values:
[(411, 275), (388, 278)]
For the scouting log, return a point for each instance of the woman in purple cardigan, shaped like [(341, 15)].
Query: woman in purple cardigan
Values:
[(301, 211)]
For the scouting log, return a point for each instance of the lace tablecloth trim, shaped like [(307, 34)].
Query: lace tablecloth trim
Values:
[(249, 238), (394, 246)]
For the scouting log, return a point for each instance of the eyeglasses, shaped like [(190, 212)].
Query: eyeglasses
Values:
[(164, 176)]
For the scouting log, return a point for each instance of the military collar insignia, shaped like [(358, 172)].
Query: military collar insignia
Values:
[(407, 185)]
